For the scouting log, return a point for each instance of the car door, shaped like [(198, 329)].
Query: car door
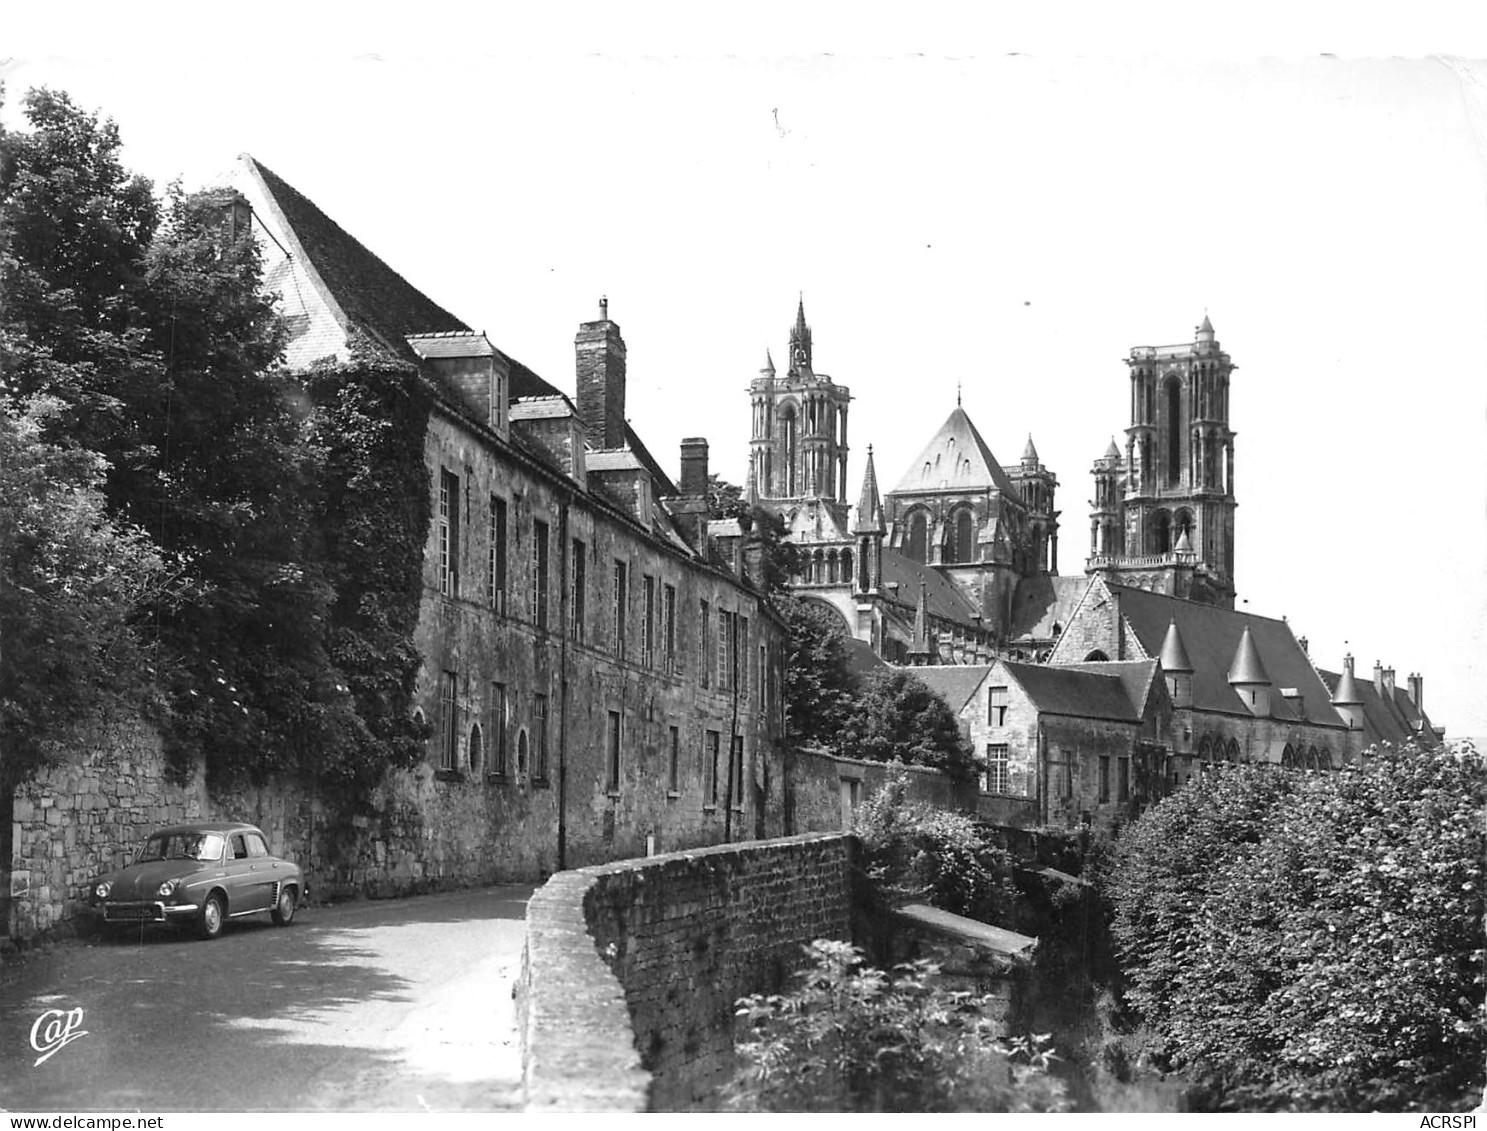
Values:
[(245, 892), (267, 874)]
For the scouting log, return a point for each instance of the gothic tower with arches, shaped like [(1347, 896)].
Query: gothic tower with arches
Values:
[(1162, 517)]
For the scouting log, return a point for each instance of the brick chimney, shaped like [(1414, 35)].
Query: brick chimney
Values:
[(690, 506), (694, 467), (601, 380)]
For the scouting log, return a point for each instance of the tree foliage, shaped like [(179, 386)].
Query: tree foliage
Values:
[(1315, 941), (852, 1038), (898, 717), (146, 331), (914, 851), (819, 688)]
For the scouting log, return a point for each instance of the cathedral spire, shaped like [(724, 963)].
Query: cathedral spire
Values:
[(800, 343), (870, 504), (919, 649)]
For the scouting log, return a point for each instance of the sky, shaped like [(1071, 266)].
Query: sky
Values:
[(969, 207)]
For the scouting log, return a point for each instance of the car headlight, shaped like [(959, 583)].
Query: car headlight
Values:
[(102, 890), (166, 890)]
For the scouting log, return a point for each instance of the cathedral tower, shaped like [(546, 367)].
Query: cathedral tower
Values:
[(798, 445), (1169, 526)]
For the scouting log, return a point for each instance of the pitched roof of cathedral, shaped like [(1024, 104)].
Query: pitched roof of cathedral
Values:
[(1043, 605), (1096, 691), (956, 459), (1212, 636), (943, 600)]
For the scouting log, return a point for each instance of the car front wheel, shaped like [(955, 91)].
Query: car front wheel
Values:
[(284, 910), (209, 926)]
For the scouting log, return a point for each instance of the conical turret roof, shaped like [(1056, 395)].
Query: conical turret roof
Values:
[(1112, 452), (869, 504), (1246, 667), (1207, 327), (1347, 694), (1174, 656), (1030, 453)]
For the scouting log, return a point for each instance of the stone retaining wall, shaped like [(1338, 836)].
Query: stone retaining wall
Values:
[(675, 940)]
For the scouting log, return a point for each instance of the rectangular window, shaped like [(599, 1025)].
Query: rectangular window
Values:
[(1123, 779), (539, 575), (725, 642), (498, 730), (620, 606), (577, 601), (449, 533), (704, 660), (612, 746), (449, 731), (736, 760), (674, 762), (996, 768), (711, 752), (670, 615), (495, 582), (996, 706), (648, 634), (764, 679), (1104, 777), (539, 752), (741, 657)]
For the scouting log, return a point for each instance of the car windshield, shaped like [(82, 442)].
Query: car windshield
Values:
[(183, 846)]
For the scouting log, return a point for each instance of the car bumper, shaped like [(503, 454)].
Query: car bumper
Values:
[(141, 911)]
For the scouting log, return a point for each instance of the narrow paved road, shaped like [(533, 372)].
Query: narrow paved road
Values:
[(397, 1005)]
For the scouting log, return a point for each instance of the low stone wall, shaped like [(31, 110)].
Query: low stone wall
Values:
[(676, 940), (819, 802)]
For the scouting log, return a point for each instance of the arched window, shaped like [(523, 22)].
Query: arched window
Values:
[(1324, 759), (477, 752), (1288, 757), (818, 567), (1159, 532), (833, 562), (521, 751), (963, 537), (790, 428), (1205, 749), (847, 567), (1232, 754), (1174, 431), (1097, 657), (1311, 758), (918, 547)]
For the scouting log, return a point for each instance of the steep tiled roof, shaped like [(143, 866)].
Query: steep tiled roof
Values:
[(954, 683), (1212, 635), (1080, 691), (941, 596), (1383, 722), (1137, 676), (1044, 601), (957, 459), (376, 299)]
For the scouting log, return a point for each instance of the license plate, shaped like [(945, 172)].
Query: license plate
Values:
[(146, 912)]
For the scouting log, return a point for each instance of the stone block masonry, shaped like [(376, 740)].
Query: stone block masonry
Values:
[(676, 940)]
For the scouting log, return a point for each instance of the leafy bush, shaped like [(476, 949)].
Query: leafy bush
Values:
[(1324, 951), (853, 1038), (899, 718), (914, 851)]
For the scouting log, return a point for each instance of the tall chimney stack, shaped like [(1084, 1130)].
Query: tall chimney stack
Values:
[(1417, 691), (601, 380), (694, 467)]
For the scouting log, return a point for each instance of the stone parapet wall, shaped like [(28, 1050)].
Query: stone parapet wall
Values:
[(681, 937), (820, 802)]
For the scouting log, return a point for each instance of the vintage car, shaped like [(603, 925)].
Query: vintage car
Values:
[(200, 874)]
